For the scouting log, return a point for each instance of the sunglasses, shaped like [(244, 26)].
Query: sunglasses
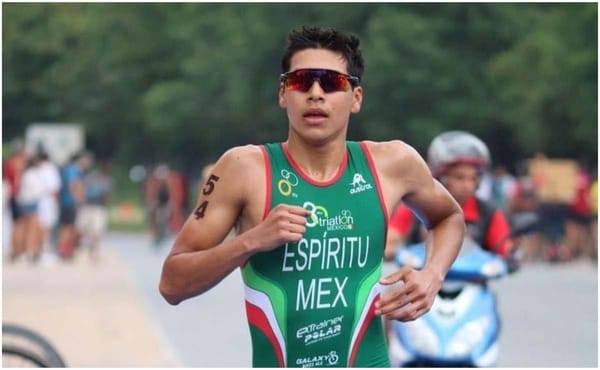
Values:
[(330, 81)]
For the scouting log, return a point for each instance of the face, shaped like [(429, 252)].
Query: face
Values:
[(85, 163), (317, 116), (461, 180)]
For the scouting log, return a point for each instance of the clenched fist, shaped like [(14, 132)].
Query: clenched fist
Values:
[(284, 224)]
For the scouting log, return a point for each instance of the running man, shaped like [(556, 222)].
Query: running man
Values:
[(311, 216)]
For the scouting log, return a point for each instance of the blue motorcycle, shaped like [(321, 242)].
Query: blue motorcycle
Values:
[(463, 325)]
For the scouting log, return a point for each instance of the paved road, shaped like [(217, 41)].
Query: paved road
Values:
[(92, 313), (550, 316), (549, 313)]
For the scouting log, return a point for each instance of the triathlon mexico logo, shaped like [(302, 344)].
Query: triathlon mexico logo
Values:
[(287, 184), (320, 217), (359, 184)]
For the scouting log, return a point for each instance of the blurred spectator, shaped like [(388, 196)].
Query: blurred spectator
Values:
[(28, 200), (594, 217), (552, 214), (177, 200), (12, 169), (484, 188), (524, 203), (48, 210), (6, 217), (502, 188), (157, 193), (72, 196), (578, 216), (92, 219)]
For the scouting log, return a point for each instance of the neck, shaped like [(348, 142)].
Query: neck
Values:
[(320, 162)]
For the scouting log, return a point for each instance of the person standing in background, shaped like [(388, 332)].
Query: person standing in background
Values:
[(503, 187), (594, 217), (6, 217), (178, 199), (72, 196), (48, 209), (92, 219), (157, 195), (28, 200), (578, 216), (12, 169), (525, 203)]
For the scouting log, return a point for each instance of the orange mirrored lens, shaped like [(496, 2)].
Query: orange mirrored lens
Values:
[(303, 79)]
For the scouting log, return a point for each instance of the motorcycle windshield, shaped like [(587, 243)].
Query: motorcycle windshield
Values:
[(472, 262)]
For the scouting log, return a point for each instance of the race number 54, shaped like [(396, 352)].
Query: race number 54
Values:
[(206, 190)]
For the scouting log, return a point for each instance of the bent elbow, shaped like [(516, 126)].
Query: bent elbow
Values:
[(168, 294)]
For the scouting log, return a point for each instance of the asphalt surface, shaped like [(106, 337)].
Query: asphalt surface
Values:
[(549, 312)]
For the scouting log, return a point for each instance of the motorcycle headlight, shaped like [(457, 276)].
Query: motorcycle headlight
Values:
[(406, 258), (422, 338), (468, 337), (494, 269)]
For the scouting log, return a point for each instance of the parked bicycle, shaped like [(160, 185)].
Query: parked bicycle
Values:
[(23, 347)]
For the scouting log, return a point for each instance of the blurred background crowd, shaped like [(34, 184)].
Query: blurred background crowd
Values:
[(50, 210)]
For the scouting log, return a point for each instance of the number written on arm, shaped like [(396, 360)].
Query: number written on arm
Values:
[(206, 190)]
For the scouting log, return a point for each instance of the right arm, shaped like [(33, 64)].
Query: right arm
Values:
[(199, 258)]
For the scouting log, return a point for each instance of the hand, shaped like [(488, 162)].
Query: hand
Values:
[(284, 224), (414, 298)]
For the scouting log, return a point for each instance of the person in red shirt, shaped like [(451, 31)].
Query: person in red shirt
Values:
[(12, 169), (457, 159), (578, 218)]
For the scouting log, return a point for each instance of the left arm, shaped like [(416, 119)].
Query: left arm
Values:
[(407, 176)]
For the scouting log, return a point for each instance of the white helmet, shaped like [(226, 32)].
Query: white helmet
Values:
[(454, 147)]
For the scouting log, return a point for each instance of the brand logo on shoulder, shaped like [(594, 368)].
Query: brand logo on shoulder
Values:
[(329, 359), (359, 184)]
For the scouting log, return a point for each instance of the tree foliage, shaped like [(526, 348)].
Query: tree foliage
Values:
[(182, 82)]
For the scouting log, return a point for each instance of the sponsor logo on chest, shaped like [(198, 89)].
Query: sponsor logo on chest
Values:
[(329, 359), (359, 184)]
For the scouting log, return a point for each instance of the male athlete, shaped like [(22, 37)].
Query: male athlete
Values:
[(311, 216)]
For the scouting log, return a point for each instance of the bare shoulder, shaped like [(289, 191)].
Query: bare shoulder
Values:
[(240, 163), (400, 168), (394, 155), (237, 168), (241, 156)]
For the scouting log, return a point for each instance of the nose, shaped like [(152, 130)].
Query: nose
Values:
[(469, 186), (316, 91)]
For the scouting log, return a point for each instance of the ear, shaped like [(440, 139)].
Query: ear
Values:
[(282, 99), (357, 97)]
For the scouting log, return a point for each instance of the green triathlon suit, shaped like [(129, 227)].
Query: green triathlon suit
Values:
[(311, 303)]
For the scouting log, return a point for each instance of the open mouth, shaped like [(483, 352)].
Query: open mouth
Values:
[(315, 114)]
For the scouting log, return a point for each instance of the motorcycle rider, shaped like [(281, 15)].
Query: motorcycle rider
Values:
[(458, 160)]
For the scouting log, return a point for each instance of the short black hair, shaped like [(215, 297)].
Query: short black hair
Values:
[(347, 44)]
